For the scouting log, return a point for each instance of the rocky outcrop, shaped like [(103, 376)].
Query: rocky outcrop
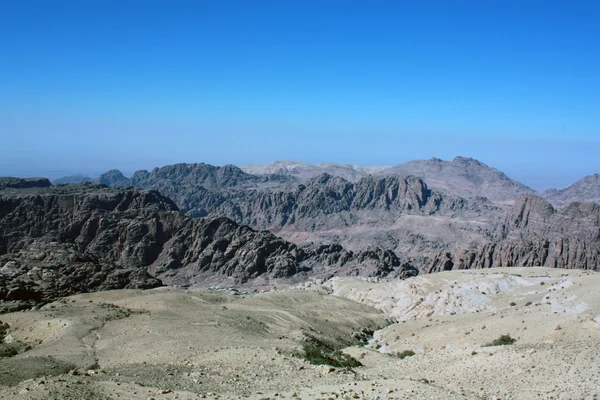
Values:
[(75, 238), (585, 190)]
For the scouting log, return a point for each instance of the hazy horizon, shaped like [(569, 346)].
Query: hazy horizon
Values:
[(96, 85)]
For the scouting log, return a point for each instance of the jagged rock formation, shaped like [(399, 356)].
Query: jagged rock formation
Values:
[(23, 183), (462, 177), (75, 238), (305, 171), (72, 179), (535, 234), (328, 202), (586, 189)]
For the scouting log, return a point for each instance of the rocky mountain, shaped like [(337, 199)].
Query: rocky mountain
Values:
[(586, 189), (67, 239), (305, 171), (462, 177), (72, 179), (384, 211)]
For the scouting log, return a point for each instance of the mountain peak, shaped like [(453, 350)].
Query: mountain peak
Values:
[(463, 177)]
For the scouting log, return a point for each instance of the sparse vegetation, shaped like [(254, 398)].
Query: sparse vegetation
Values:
[(503, 340), (320, 353), (513, 304), (473, 353), (406, 353), (528, 303)]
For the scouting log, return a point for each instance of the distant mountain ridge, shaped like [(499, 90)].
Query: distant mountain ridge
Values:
[(306, 171), (463, 177), (23, 183), (586, 189), (72, 179)]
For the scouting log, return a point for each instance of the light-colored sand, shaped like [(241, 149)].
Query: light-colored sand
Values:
[(172, 343)]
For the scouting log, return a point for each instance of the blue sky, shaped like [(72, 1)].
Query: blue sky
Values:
[(86, 86)]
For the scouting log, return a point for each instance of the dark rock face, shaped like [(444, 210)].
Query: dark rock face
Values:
[(76, 238), (61, 240)]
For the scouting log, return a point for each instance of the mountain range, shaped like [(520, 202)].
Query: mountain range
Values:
[(198, 225)]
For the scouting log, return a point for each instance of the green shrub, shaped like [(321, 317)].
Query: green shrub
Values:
[(502, 341), (319, 353), (406, 353)]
